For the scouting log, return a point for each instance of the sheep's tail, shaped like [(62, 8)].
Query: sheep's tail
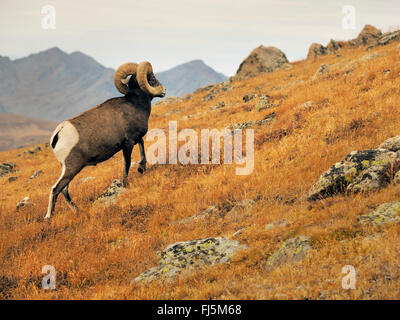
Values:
[(54, 138)]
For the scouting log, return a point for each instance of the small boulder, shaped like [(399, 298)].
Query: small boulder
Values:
[(110, 195), (35, 175), (12, 179), (6, 168), (385, 213), (321, 70), (182, 257), (262, 60), (292, 250), (263, 103)]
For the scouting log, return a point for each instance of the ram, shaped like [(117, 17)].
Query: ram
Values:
[(97, 134)]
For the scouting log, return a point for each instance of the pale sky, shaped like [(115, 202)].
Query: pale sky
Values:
[(170, 32)]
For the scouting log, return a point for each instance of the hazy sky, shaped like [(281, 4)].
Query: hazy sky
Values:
[(170, 32)]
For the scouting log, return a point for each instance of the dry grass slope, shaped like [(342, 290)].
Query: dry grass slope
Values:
[(351, 110)]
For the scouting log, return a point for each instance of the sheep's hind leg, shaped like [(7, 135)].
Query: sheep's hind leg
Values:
[(66, 176), (127, 152), (70, 203)]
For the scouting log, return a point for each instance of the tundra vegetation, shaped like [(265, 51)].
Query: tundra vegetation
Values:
[(354, 105)]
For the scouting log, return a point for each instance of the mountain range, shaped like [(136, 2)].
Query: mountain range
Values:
[(55, 85)]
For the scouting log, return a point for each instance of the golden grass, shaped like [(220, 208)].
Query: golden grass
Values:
[(351, 111)]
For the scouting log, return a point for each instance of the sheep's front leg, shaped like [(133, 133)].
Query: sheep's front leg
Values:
[(142, 162), (127, 152)]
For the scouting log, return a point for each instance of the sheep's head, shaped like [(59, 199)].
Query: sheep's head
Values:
[(130, 76)]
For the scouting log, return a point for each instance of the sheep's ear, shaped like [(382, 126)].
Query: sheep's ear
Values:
[(126, 80)]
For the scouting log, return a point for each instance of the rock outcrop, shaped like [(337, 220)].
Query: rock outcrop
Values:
[(360, 171), (262, 60), (182, 257), (316, 50), (369, 36)]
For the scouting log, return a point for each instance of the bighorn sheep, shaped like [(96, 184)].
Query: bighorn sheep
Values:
[(97, 134)]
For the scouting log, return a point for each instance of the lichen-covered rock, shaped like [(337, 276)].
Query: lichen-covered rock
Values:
[(113, 191), (360, 171), (6, 168), (292, 250), (182, 257), (385, 213), (263, 103)]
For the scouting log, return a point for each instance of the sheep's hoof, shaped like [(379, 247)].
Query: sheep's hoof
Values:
[(46, 217), (141, 169)]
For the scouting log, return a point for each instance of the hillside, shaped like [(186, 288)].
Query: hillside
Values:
[(188, 77), (18, 131), (54, 85), (305, 119)]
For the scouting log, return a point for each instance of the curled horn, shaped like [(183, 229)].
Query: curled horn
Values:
[(144, 71), (121, 75)]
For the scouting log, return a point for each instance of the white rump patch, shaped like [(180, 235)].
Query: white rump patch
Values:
[(68, 137)]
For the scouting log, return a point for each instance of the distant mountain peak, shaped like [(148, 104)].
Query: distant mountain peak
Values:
[(189, 76)]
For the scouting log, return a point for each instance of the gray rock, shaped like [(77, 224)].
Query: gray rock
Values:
[(292, 250), (35, 175), (321, 70), (385, 213), (249, 97), (111, 194), (183, 257), (247, 124), (6, 168), (12, 179), (389, 37), (360, 171), (262, 60), (263, 103), (32, 151), (218, 106)]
